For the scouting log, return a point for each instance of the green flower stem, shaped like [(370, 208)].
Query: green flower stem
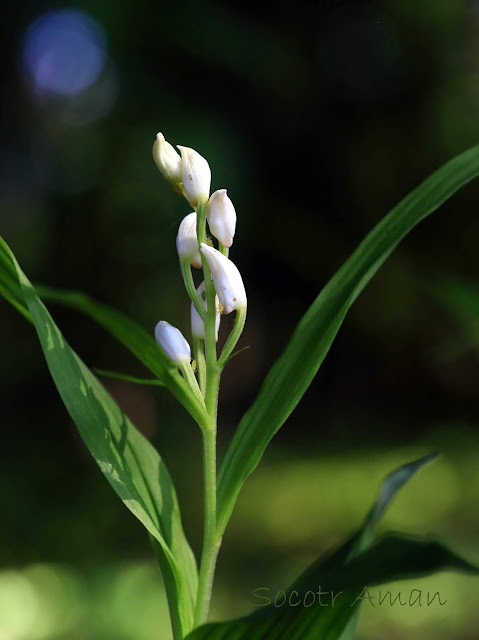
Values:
[(190, 287), (198, 349), (233, 338), (211, 542), (190, 377), (210, 338), (224, 250)]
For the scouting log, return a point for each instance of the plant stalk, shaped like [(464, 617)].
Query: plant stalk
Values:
[(190, 287), (190, 377), (211, 543)]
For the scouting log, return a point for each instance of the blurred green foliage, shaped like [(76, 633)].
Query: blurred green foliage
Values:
[(298, 506), (317, 119)]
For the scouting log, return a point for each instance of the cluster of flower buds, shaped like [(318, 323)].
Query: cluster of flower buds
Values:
[(190, 174)]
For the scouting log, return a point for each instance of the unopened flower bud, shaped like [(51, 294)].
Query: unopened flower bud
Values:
[(227, 279), (222, 217), (167, 159), (187, 241), (197, 324), (172, 342), (196, 175)]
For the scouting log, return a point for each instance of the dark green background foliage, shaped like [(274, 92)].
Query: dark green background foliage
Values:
[(318, 118)]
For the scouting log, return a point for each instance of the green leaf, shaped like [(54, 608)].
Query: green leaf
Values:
[(345, 573), (364, 537), (136, 340), (10, 287), (393, 558), (129, 462), (398, 557), (123, 328), (236, 353), (296, 367), (103, 373), (390, 486)]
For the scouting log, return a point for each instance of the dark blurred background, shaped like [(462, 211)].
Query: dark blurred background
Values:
[(318, 118)]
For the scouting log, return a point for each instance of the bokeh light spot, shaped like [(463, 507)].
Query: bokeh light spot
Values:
[(64, 52), (18, 605)]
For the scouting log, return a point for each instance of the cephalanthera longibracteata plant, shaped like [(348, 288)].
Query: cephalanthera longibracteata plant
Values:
[(135, 469)]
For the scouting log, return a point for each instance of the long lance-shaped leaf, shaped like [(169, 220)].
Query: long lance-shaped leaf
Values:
[(125, 330), (298, 614), (130, 463), (115, 375), (10, 288), (135, 339), (324, 602), (296, 367), (364, 537)]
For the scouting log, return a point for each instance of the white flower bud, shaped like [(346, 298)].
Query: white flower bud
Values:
[(197, 325), (196, 175), (172, 342), (187, 241), (227, 279), (167, 159), (222, 217)]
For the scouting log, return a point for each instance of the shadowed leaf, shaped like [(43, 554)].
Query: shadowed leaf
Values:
[(343, 578)]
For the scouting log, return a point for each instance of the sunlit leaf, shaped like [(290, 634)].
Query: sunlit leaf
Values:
[(129, 462), (135, 339)]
